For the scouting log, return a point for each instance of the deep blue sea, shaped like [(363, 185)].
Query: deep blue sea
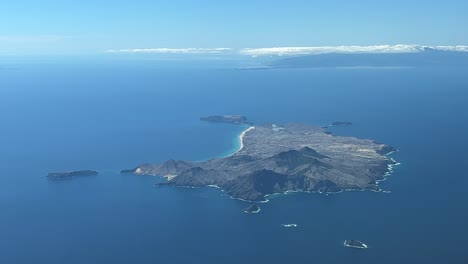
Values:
[(109, 117)]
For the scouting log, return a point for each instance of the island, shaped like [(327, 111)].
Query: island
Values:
[(128, 171), (341, 123), (232, 119), (280, 159), (354, 244), (423, 57), (252, 209), (70, 174)]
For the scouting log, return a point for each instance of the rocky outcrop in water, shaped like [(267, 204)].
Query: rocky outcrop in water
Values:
[(252, 209), (341, 123), (354, 244)]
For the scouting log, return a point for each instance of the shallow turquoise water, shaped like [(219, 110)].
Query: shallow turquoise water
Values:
[(109, 118)]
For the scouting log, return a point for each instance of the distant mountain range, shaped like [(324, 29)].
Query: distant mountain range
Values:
[(400, 55), (424, 58)]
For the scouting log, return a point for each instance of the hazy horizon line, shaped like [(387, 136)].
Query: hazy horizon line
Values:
[(299, 50)]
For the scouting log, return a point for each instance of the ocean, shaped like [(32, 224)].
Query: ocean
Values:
[(109, 117)]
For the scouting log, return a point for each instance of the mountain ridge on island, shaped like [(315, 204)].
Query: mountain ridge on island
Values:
[(277, 159)]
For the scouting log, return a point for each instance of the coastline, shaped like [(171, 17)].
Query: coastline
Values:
[(241, 141), (389, 172)]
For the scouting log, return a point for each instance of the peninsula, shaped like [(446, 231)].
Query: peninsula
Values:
[(278, 159)]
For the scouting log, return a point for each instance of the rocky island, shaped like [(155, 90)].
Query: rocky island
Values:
[(341, 123), (232, 119), (278, 159), (252, 209), (70, 174), (355, 244)]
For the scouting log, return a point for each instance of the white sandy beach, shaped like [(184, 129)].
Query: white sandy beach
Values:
[(241, 138)]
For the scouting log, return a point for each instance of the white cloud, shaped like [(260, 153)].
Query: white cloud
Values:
[(289, 51), (174, 50)]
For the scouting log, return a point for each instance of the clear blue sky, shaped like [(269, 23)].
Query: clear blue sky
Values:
[(86, 26)]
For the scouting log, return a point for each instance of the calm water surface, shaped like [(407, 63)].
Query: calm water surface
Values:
[(108, 118)]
